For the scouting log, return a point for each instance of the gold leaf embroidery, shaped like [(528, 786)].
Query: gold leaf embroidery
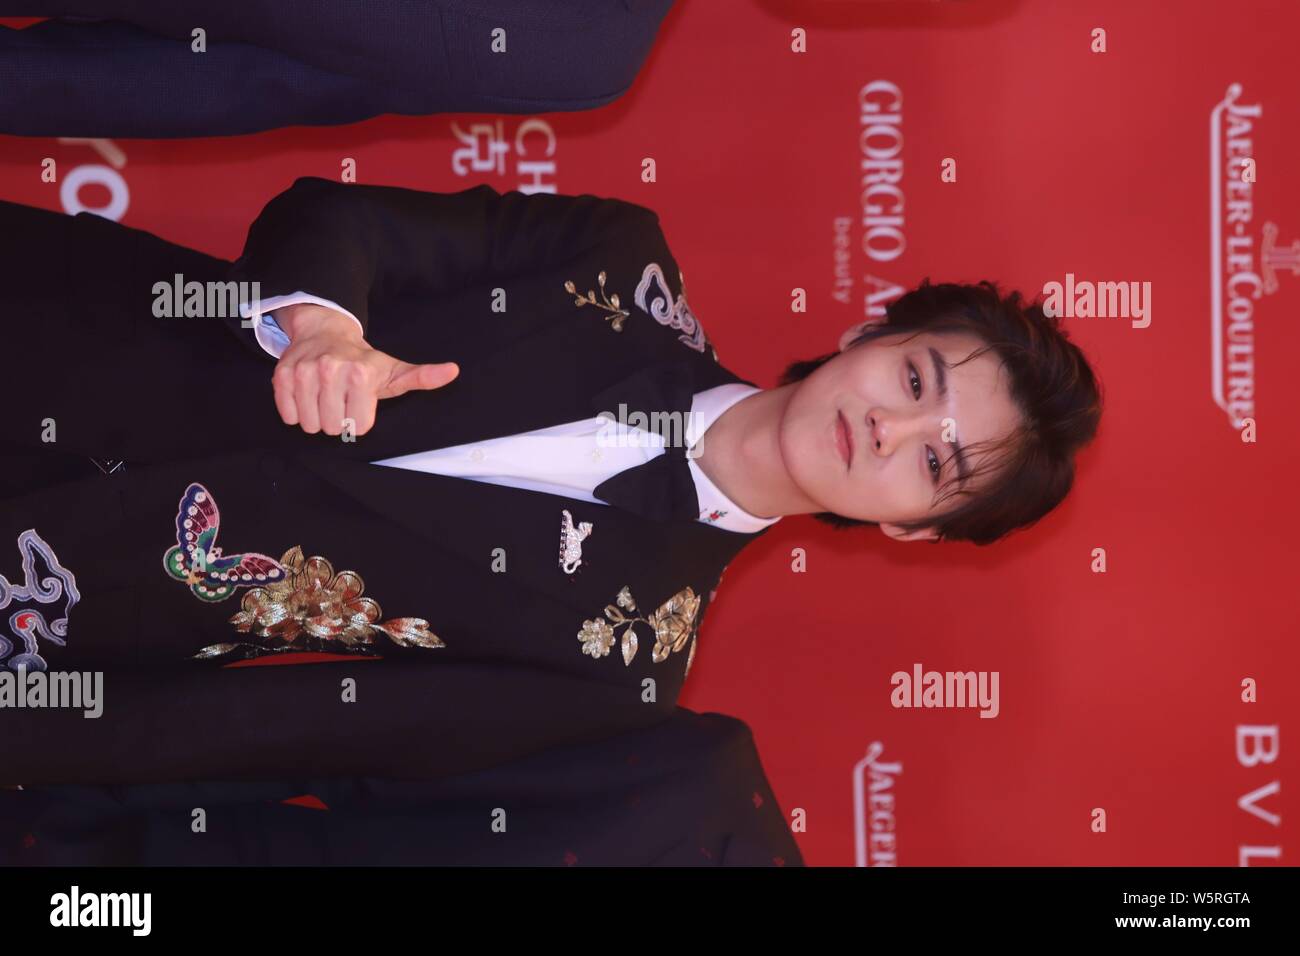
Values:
[(314, 608), (673, 623), (625, 599), (216, 650), (610, 304), (410, 632)]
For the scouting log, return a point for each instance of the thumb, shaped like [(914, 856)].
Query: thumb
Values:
[(407, 377)]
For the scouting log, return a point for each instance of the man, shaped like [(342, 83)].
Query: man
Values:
[(119, 68), (480, 566)]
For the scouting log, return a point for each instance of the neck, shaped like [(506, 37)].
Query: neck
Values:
[(741, 454)]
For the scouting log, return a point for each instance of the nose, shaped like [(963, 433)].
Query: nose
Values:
[(887, 430)]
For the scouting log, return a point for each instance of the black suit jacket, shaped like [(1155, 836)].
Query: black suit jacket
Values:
[(188, 400), (689, 791), (131, 71)]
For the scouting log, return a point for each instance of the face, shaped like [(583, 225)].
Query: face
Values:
[(871, 435)]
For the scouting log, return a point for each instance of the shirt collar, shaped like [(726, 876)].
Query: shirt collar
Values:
[(706, 408)]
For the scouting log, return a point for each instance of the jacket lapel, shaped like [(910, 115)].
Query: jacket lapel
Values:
[(568, 372)]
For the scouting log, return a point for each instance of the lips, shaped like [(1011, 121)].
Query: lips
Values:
[(844, 438)]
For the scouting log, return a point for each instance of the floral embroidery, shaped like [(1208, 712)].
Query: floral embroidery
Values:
[(712, 516), (597, 637), (314, 609), (47, 583), (611, 304), (197, 561), (673, 624)]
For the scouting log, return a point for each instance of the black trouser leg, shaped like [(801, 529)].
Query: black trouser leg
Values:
[(115, 79)]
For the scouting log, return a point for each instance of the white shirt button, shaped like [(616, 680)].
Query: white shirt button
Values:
[(476, 454)]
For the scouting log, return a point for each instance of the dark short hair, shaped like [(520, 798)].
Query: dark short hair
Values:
[(1053, 387)]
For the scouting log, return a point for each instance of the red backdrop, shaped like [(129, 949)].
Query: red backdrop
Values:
[(1119, 690)]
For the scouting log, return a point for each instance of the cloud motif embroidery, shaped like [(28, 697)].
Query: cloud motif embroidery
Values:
[(654, 296), (28, 624)]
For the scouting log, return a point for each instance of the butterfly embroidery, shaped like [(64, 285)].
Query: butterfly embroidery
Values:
[(198, 562)]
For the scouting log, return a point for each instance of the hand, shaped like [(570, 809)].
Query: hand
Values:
[(330, 372)]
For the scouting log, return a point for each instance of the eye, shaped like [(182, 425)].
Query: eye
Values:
[(915, 380), (935, 465)]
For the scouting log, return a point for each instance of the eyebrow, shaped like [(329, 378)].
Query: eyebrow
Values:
[(941, 381)]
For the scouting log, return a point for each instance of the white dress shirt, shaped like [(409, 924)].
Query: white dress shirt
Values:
[(568, 459)]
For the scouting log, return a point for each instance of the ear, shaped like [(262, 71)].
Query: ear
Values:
[(898, 534)]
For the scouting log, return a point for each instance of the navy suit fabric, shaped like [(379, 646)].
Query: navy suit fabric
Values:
[(116, 68)]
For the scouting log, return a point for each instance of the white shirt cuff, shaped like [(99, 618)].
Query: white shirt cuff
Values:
[(267, 331)]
